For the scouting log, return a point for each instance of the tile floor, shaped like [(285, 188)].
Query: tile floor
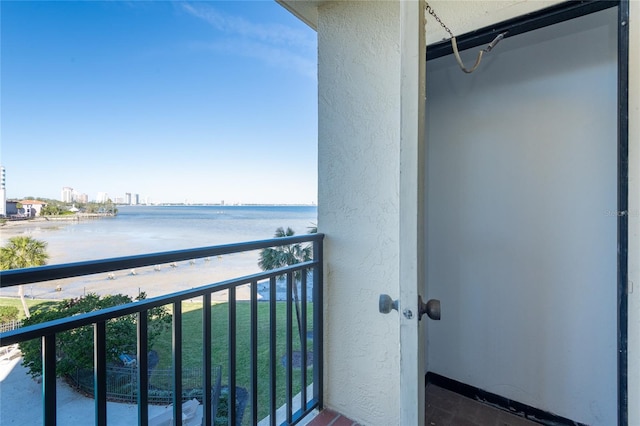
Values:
[(331, 418), (444, 408)]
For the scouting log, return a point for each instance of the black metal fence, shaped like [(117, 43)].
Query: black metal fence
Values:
[(122, 384), (306, 270), (11, 325)]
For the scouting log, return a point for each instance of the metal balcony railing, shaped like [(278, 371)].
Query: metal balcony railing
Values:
[(310, 270)]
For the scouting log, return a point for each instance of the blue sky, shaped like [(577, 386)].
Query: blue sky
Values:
[(176, 101)]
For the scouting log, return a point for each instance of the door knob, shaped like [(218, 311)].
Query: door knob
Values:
[(431, 308), (386, 304)]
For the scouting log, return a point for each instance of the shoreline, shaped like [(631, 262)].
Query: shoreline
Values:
[(153, 280), (40, 220)]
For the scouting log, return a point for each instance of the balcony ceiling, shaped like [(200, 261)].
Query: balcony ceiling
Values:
[(461, 17), (305, 10)]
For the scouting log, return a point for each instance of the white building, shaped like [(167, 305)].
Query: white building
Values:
[(505, 193), (3, 192), (67, 195), (81, 198), (32, 208), (102, 197)]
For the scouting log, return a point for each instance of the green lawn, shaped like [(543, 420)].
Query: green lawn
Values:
[(192, 347), (31, 303)]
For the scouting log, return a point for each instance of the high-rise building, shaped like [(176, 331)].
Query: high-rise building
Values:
[(81, 198), (67, 195), (127, 198), (136, 199), (3, 192), (102, 197)]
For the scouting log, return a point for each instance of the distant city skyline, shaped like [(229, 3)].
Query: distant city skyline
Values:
[(174, 101), (71, 196)]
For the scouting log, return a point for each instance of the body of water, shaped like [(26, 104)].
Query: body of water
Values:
[(150, 229)]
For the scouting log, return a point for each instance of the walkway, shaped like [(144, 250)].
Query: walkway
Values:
[(21, 401)]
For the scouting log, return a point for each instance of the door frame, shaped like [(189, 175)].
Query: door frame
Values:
[(411, 210), (553, 15)]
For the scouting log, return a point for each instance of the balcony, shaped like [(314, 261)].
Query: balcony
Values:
[(300, 391)]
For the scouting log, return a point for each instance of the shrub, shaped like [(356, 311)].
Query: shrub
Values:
[(8, 313), (74, 348)]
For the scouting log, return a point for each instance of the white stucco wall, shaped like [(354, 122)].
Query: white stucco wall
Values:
[(358, 204)]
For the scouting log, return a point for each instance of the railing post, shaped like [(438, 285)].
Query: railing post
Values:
[(232, 356), (177, 363), (273, 359), (289, 344), (318, 329), (303, 340), (143, 368), (100, 372), (49, 379), (254, 352), (207, 414)]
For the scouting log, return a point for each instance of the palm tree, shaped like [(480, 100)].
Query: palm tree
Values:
[(23, 252), (278, 257)]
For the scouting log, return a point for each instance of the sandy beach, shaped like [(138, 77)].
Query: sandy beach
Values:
[(153, 280)]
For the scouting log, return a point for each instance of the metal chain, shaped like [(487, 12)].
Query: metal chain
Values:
[(454, 43), (437, 18)]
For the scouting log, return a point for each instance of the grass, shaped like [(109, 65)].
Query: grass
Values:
[(31, 303), (192, 347)]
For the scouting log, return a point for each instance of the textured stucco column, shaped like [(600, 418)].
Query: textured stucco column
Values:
[(358, 204)]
